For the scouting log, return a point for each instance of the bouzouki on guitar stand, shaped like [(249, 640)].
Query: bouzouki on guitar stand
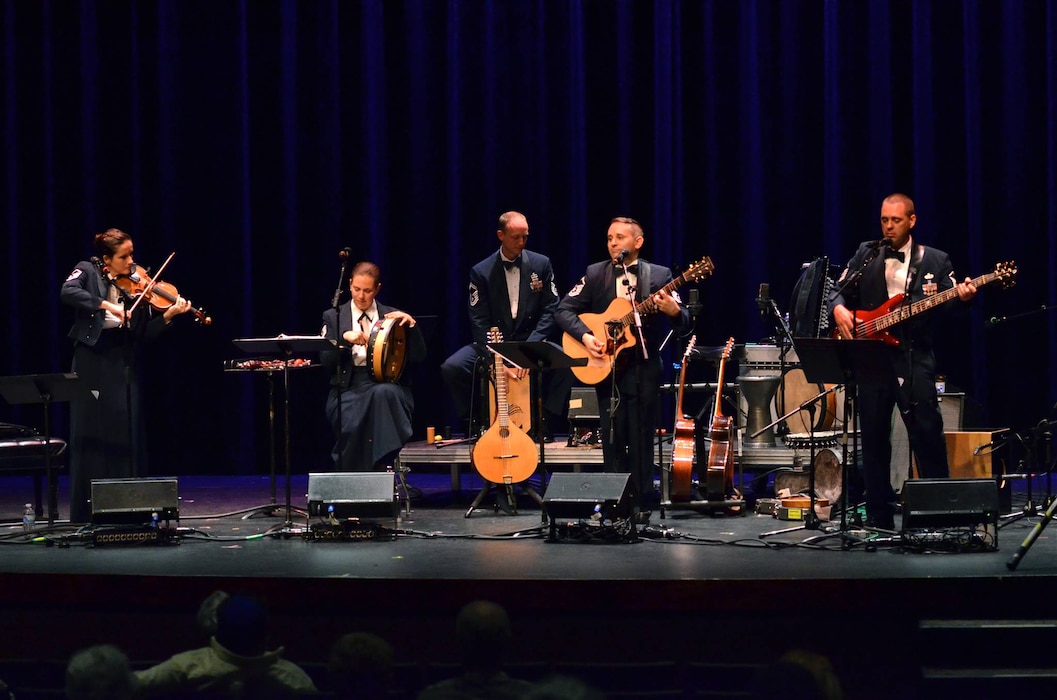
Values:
[(505, 454)]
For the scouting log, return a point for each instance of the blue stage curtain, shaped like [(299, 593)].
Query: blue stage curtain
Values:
[(257, 139)]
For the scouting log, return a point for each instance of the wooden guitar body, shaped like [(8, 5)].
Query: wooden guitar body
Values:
[(617, 337), (505, 454), (720, 460), (683, 460)]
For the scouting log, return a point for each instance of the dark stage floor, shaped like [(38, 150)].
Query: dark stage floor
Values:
[(696, 588)]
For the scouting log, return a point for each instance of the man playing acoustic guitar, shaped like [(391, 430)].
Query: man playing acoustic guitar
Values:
[(899, 266), (627, 431)]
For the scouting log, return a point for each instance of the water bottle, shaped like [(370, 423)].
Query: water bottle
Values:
[(941, 384), (29, 518)]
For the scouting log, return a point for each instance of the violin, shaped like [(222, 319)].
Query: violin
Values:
[(160, 295)]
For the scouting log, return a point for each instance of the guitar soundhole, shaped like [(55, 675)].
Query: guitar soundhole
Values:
[(615, 329), (504, 432)]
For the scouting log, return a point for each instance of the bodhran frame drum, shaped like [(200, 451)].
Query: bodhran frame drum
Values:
[(387, 350), (795, 390)]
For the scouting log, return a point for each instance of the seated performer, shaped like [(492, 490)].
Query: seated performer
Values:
[(512, 290), (374, 418), (627, 435)]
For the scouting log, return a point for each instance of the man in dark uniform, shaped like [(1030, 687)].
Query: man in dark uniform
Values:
[(627, 434), (375, 416), (512, 290), (898, 265)]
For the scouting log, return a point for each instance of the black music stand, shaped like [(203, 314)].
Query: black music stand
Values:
[(543, 357), (283, 347), (45, 389), (851, 363)]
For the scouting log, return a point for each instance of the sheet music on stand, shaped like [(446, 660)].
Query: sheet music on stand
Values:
[(284, 347)]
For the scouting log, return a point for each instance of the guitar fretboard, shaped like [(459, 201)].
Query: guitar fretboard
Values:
[(904, 313)]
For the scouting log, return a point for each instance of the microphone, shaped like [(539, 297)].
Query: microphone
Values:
[(877, 244), (763, 298), (344, 253), (624, 252)]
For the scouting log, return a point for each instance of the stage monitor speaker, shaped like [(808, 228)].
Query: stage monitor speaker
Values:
[(951, 409), (585, 496), (352, 494), (134, 501), (949, 503)]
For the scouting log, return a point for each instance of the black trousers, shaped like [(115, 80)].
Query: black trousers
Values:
[(914, 392)]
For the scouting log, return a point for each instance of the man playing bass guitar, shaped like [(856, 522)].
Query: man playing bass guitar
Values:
[(898, 264), (628, 424)]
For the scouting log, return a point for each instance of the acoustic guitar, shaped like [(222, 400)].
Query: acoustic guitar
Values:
[(875, 323), (613, 326), (719, 475), (683, 438), (505, 454)]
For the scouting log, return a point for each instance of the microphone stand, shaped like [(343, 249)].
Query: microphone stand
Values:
[(334, 304)]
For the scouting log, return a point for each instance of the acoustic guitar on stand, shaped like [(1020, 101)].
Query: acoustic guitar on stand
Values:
[(613, 326), (683, 438), (875, 323), (505, 454), (719, 474)]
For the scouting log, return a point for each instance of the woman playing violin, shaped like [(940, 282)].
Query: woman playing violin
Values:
[(105, 432)]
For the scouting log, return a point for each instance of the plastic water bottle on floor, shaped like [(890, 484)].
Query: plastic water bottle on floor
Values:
[(29, 518)]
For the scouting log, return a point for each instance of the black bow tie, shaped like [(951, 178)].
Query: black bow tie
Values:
[(510, 264), (633, 269), (897, 254)]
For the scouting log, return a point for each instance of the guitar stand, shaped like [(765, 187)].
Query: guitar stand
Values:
[(509, 506)]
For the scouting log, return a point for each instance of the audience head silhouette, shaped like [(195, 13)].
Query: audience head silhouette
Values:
[(100, 673), (482, 630), (242, 626), (360, 666)]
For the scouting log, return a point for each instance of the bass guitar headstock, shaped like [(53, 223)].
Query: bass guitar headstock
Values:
[(495, 335), (1006, 273)]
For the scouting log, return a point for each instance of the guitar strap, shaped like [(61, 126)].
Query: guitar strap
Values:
[(912, 269)]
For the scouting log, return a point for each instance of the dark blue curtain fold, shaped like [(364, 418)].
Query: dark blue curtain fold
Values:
[(257, 139)]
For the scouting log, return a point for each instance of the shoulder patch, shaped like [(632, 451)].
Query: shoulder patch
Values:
[(475, 295), (75, 274), (575, 291)]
